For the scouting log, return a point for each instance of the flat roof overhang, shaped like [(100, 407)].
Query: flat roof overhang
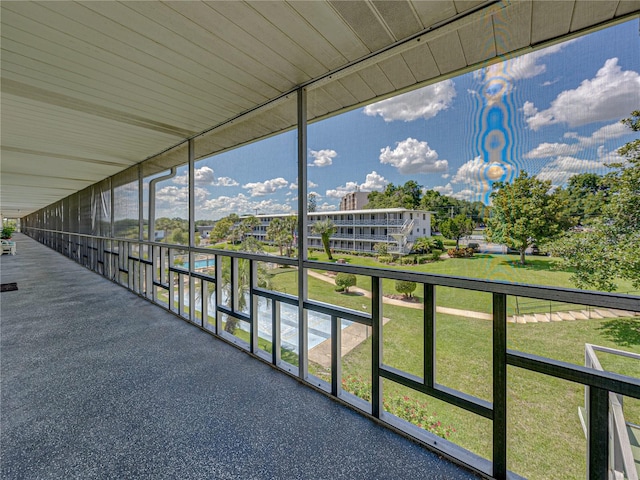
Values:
[(92, 88)]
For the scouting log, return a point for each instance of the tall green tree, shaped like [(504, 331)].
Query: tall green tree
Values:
[(457, 227), (222, 229), (281, 231), (586, 194), (525, 213), (608, 251), (325, 228), (312, 202), (400, 196)]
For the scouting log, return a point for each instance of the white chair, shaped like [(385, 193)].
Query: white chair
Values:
[(8, 247)]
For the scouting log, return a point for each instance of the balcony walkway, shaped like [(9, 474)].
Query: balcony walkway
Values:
[(99, 383)]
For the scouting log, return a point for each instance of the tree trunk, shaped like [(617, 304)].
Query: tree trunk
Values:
[(325, 244), (522, 260)]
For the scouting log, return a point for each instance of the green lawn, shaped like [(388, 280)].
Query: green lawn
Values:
[(545, 435)]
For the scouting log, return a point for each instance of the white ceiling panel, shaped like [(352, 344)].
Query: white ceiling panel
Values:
[(91, 88)]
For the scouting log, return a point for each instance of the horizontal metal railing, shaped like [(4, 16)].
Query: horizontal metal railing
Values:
[(150, 270)]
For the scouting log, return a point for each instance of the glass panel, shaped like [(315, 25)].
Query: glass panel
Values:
[(208, 294), (204, 264), (319, 354), (560, 331), (126, 201), (236, 329), (544, 432), (162, 296), (457, 425), (246, 197), (356, 366), (341, 289), (464, 341), (279, 278), (289, 334), (403, 327)]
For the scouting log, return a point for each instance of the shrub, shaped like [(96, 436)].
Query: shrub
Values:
[(405, 287), (422, 260), (385, 259), (407, 261), (345, 280), (435, 255), (474, 246), (460, 253), (437, 243)]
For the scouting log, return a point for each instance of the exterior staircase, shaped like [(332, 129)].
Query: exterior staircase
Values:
[(571, 315)]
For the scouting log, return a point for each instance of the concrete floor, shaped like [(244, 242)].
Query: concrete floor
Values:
[(99, 383)]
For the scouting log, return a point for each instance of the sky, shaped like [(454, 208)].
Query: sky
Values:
[(553, 113)]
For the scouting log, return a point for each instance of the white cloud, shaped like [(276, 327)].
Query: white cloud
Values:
[(444, 190), (175, 195), (260, 189), (527, 66), (222, 206), (322, 158), (373, 181), (225, 182), (411, 156), (294, 185), (466, 194), (562, 168), (204, 176), (478, 172), (608, 96), (326, 207), (469, 172), (608, 132), (424, 102), (500, 77)]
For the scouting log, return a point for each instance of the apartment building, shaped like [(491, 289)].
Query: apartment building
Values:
[(361, 230)]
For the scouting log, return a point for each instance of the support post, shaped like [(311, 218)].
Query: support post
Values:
[(598, 439), (499, 386), (303, 342)]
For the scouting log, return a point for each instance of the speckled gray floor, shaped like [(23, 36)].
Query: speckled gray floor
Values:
[(98, 383)]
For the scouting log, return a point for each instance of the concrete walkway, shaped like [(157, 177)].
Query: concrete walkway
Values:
[(97, 383)]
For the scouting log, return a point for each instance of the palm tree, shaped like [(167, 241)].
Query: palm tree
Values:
[(325, 228)]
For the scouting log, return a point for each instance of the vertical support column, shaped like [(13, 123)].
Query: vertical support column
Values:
[(218, 293), (598, 441), (429, 335), (235, 278), (192, 207), (253, 307), (275, 332), (112, 230), (303, 342), (192, 259), (336, 354), (204, 302), (137, 266), (499, 386), (376, 346), (140, 203)]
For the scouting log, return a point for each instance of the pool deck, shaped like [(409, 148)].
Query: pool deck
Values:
[(97, 382)]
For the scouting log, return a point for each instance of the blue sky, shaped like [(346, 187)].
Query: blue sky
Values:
[(554, 113)]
